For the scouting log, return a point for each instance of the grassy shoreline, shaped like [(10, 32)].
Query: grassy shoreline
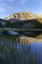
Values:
[(21, 29)]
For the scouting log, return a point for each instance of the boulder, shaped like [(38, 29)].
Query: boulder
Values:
[(10, 32)]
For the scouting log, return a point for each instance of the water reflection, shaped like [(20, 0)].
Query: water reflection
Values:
[(37, 46), (16, 51)]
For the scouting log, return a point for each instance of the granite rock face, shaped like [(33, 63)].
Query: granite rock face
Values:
[(10, 32), (21, 16)]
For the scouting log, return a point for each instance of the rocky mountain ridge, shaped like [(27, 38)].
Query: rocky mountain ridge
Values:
[(22, 16), (22, 20)]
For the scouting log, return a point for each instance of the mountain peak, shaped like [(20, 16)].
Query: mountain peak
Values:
[(22, 16)]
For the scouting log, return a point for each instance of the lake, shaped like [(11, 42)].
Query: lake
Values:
[(20, 49)]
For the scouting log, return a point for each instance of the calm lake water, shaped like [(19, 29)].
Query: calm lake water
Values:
[(34, 45), (10, 46)]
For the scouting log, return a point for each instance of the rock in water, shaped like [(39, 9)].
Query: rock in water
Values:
[(10, 32)]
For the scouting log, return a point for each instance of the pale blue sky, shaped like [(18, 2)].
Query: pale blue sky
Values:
[(8, 7)]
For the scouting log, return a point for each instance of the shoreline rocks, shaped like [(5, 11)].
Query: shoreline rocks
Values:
[(10, 32)]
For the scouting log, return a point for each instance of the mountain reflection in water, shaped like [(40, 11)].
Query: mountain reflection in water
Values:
[(16, 49)]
